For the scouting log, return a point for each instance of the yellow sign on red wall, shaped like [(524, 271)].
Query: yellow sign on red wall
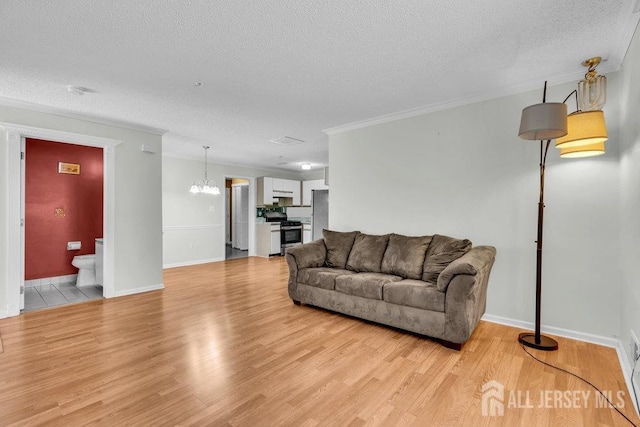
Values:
[(70, 168)]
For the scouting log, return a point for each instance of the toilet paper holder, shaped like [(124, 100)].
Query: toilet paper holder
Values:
[(74, 246)]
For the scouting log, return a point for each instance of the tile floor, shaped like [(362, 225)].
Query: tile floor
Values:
[(232, 253), (44, 296)]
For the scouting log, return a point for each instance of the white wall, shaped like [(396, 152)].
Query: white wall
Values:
[(629, 116), (4, 230), (193, 224), (464, 172), (137, 208)]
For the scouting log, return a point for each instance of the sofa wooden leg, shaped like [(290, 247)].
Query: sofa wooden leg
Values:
[(296, 302), (451, 345)]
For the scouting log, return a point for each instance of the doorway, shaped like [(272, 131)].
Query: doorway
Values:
[(15, 136), (236, 218), (63, 223)]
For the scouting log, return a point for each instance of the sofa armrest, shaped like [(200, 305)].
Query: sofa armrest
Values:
[(309, 255), (470, 263), (466, 294)]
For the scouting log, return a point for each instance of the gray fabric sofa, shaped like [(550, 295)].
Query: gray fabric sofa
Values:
[(430, 285)]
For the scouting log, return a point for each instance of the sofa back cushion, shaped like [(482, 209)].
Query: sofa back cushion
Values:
[(338, 247), (367, 252), (405, 256), (442, 250)]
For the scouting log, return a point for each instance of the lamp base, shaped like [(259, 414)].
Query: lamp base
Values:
[(546, 343)]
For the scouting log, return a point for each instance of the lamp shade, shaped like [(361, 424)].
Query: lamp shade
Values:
[(585, 128), (582, 150), (543, 121)]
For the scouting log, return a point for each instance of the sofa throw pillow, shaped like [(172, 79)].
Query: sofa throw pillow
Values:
[(367, 252), (338, 247), (405, 256), (442, 250)]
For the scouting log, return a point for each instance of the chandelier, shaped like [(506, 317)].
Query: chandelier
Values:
[(204, 185)]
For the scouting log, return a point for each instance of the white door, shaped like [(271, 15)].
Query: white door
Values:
[(234, 217), (240, 216), (227, 216), (244, 217)]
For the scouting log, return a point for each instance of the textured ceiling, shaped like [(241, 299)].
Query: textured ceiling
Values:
[(290, 67)]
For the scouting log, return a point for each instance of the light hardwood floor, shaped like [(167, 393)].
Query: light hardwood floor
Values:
[(224, 345)]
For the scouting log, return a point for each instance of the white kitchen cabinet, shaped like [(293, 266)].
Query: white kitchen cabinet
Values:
[(279, 184), (275, 239), (285, 192), (265, 191), (308, 187), (306, 233), (267, 239), (294, 187)]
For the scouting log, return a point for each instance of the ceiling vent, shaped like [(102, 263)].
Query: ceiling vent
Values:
[(286, 140)]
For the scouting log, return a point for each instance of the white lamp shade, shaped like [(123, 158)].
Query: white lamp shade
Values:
[(543, 121), (585, 128)]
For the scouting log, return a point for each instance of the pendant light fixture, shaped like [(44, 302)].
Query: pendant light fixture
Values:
[(204, 185), (586, 126)]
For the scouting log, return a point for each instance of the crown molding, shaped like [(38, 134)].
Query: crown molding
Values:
[(432, 108), (14, 103), (628, 22)]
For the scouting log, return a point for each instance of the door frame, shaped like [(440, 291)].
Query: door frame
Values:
[(252, 209), (15, 136)]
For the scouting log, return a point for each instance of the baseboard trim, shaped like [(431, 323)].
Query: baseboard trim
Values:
[(195, 262), (561, 332), (625, 364), (139, 290), (627, 368)]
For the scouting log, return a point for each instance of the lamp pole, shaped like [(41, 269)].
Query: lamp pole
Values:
[(536, 340)]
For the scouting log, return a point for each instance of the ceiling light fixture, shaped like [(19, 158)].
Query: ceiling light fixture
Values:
[(205, 186), (580, 134), (306, 166), (592, 90)]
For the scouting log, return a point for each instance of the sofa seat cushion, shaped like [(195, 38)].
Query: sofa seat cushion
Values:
[(414, 293), (366, 285), (321, 277)]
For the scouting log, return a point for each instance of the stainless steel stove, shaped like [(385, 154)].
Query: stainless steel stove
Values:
[(290, 231)]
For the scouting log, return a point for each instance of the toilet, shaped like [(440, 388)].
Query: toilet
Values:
[(86, 265)]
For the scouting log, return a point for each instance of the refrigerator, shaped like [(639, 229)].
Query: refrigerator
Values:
[(319, 212)]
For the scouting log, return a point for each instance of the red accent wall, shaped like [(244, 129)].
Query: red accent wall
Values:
[(80, 196)]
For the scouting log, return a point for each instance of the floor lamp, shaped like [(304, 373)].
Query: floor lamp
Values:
[(580, 134)]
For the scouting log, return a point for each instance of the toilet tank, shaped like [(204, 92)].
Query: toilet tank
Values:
[(100, 262)]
